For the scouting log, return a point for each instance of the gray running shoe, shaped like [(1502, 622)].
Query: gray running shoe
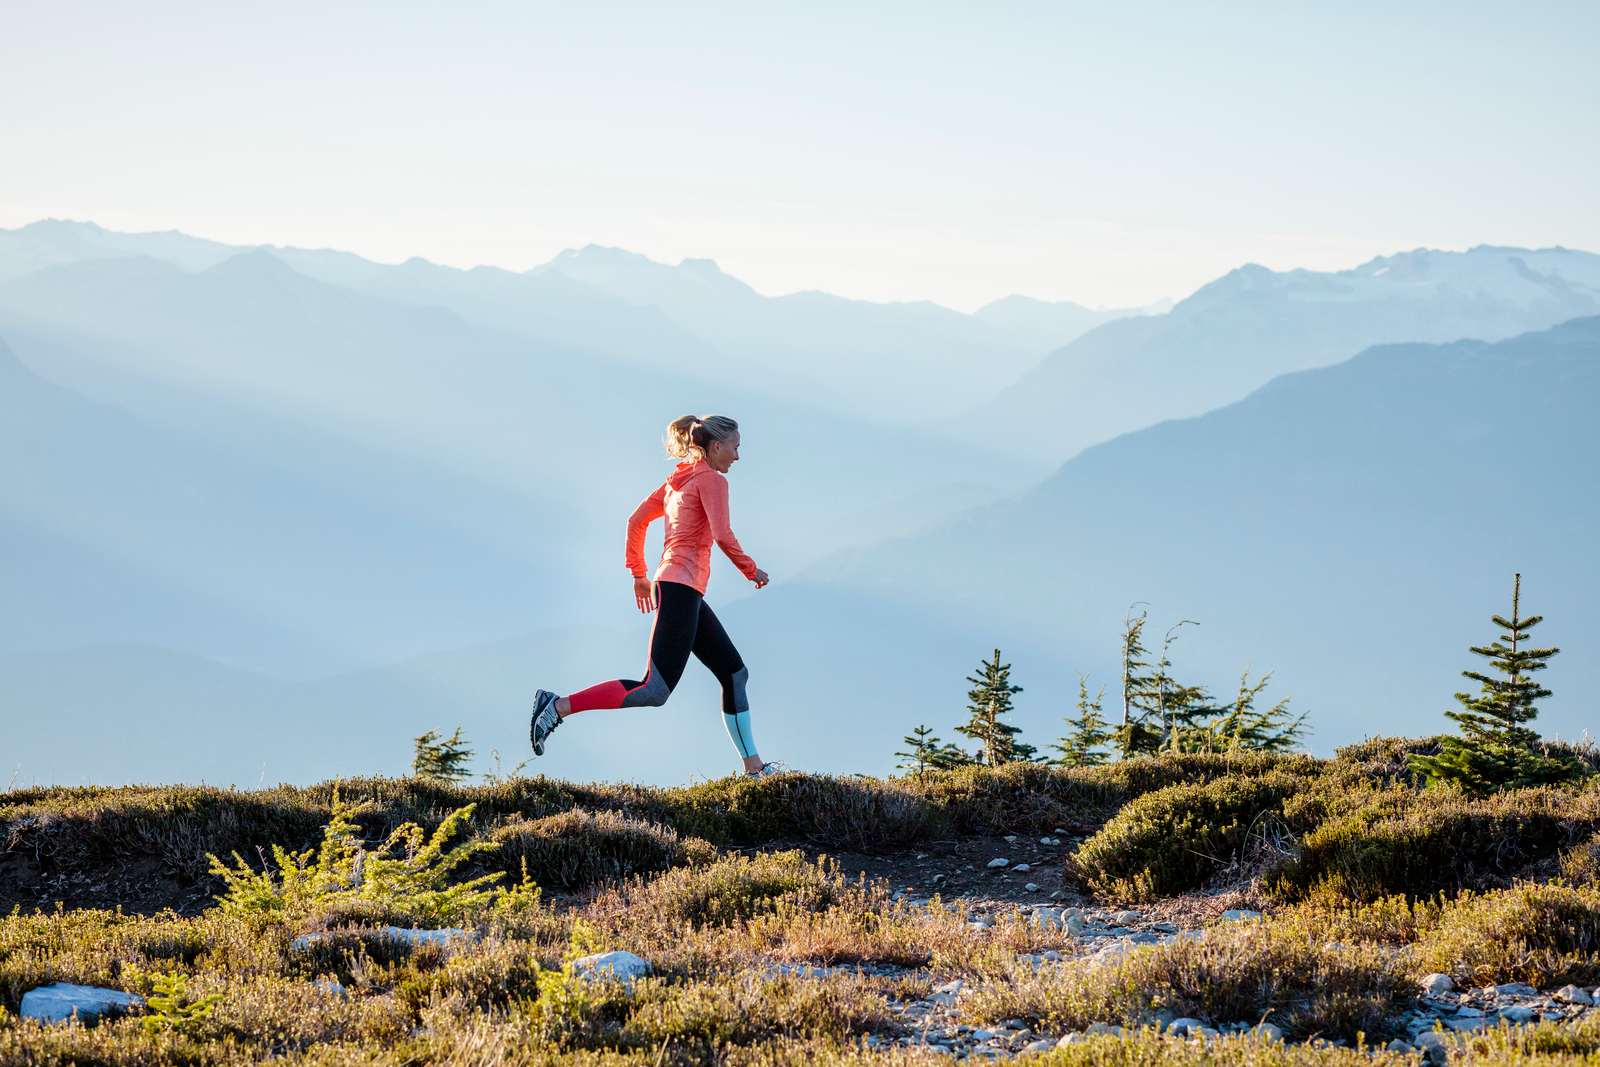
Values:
[(769, 769), (545, 719)]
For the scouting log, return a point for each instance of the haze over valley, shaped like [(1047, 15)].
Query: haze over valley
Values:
[(251, 495)]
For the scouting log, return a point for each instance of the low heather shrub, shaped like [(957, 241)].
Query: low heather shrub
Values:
[(1544, 935), (580, 848), (1174, 839), (1364, 843), (1280, 970)]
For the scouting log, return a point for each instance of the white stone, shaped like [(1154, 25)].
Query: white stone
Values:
[(56, 1003), (1096, 1030), (1125, 918), (950, 987), (1469, 1012), (983, 1035), (945, 1000), (1268, 1031), (1038, 1046), (1517, 1014), (1240, 915), (1436, 983), (1573, 995), (999, 861), (1180, 1027), (1069, 1039), (1044, 841), (1011, 839), (1059, 894), (1031, 887), (1022, 868), (1050, 955), (620, 964), (1398, 1046)]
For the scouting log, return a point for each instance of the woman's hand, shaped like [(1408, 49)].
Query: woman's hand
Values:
[(644, 592), (761, 578)]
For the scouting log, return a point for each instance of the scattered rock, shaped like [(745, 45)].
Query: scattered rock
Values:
[(1399, 1046), (950, 987), (1000, 861), (1240, 915), (1039, 1046), (1126, 918), (620, 964), (1435, 984), (1181, 1027), (1515, 989), (1031, 887), (1011, 839), (1517, 1014), (1268, 1031), (983, 1035), (398, 933), (1069, 1039), (330, 986), (1059, 894), (1050, 955), (940, 879), (1571, 994), (56, 1003)]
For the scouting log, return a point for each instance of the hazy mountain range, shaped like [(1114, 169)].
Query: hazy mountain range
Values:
[(262, 495)]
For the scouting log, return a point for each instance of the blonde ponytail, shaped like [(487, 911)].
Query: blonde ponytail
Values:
[(688, 436)]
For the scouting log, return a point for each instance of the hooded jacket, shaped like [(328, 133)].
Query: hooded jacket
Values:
[(694, 502)]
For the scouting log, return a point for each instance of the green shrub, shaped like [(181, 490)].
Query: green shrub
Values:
[(1545, 935), (579, 848), (404, 872), (1175, 839), (1365, 843)]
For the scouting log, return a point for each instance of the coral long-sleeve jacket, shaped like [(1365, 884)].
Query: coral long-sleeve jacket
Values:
[(694, 502)]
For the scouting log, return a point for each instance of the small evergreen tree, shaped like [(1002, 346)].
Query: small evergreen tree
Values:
[(1498, 750), (1082, 747), (443, 761), (1235, 726), (1141, 692), (948, 757), (990, 699), (922, 746)]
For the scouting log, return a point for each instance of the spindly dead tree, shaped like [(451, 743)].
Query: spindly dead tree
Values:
[(1498, 750)]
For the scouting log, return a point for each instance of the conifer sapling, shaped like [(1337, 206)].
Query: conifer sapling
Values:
[(1497, 751), (990, 699)]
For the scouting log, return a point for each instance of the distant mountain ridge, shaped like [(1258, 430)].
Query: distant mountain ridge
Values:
[(1345, 526), (899, 363), (1253, 324)]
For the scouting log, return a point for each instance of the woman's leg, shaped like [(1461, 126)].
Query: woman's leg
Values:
[(672, 637), (713, 648)]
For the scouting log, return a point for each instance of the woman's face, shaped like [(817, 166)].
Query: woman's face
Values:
[(720, 455)]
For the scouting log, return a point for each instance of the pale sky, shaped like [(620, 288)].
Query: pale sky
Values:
[(1105, 153)]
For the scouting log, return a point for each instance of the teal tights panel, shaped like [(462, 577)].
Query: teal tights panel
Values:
[(739, 729)]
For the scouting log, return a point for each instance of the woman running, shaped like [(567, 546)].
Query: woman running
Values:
[(694, 503)]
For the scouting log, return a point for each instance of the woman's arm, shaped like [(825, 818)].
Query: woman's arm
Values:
[(714, 499), (648, 511)]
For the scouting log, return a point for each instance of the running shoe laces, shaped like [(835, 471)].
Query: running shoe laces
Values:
[(545, 719)]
